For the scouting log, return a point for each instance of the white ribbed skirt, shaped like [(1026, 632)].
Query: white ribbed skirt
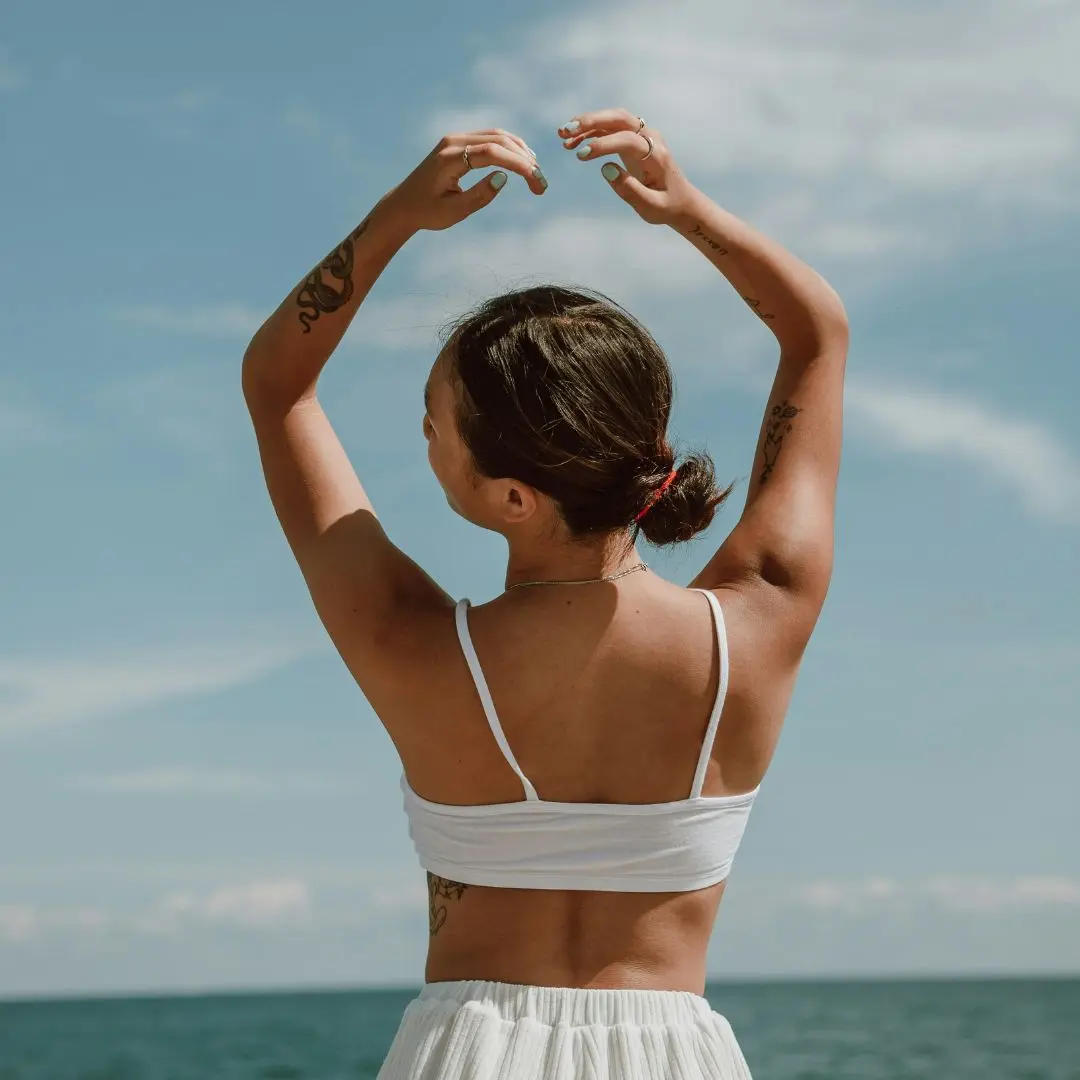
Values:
[(500, 1031)]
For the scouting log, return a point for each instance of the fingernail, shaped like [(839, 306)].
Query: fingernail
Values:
[(540, 176), (574, 125), (610, 171), (531, 151), (585, 150), (498, 180)]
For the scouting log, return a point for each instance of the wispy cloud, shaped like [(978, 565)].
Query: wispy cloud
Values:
[(1041, 468), (898, 125), (21, 923), (964, 895), (258, 905), (286, 901), (49, 693), (203, 782), (212, 320)]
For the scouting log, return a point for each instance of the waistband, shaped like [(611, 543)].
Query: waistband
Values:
[(573, 1006)]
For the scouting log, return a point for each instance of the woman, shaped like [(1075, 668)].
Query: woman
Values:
[(581, 753)]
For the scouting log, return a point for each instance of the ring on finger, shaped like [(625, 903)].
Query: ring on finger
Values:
[(465, 155), (641, 124), (650, 142)]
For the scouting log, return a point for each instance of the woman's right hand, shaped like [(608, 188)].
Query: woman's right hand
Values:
[(650, 182), (431, 196)]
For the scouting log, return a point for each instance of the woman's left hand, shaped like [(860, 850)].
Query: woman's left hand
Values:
[(431, 196)]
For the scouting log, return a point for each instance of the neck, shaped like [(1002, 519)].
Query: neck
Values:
[(569, 561)]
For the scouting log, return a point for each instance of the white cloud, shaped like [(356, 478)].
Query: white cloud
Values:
[(47, 693), (253, 905), (966, 895), (210, 320), (20, 923), (201, 782), (626, 260), (1040, 467), (409, 321), (898, 126), (977, 897), (263, 904), (620, 256)]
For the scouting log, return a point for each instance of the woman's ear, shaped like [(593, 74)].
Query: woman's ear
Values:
[(519, 502)]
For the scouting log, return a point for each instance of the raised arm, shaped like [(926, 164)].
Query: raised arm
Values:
[(784, 539), (785, 535), (363, 587)]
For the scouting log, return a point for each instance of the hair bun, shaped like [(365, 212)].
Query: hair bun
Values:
[(687, 507)]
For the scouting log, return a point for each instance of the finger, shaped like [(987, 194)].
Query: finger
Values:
[(479, 136), (477, 142), (601, 121), (626, 144), (575, 140), (481, 193), (492, 152), (506, 138), (633, 191)]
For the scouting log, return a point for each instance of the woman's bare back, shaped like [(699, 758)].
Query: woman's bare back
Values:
[(604, 694)]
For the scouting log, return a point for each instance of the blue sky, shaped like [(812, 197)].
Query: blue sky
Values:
[(192, 792)]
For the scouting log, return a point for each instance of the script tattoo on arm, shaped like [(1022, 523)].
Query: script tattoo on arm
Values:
[(777, 426), (329, 286), (440, 892), (707, 239), (756, 306)]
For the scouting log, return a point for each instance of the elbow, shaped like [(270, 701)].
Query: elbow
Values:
[(268, 383), (253, 381), (832, 315)]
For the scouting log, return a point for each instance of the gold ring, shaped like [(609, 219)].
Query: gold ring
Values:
[(465, 155), (640, 125), (650, 142)]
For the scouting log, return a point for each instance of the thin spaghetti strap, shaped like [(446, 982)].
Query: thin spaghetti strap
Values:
[(461, 619), (721, 693)]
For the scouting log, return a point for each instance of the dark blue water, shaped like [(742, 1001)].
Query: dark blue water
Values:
[(904, 1030)]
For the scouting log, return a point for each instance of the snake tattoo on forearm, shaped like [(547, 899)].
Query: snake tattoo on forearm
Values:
[(317, 295)]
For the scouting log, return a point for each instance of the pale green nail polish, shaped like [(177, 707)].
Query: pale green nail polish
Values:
[(574, 125), (610, 171), (585, 150), (498, 180), (537, 174)]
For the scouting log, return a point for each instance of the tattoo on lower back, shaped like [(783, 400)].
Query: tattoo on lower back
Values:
[(777, 426), (440, 892), (705, 238), (756, 305), (329, 286)]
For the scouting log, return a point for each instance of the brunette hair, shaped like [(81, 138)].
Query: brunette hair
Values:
[(564, 390)]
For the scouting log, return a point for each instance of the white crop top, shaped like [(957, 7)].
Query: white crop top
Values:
[(615, 847)]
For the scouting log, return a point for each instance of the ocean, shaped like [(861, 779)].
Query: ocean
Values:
[(1004, 1029)]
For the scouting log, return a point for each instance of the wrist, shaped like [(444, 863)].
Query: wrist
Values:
[(691, 211), (389, 224)]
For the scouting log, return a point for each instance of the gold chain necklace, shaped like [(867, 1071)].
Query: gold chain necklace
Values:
[(582, 581)]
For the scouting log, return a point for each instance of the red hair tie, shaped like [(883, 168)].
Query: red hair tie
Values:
[(658, 495)]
